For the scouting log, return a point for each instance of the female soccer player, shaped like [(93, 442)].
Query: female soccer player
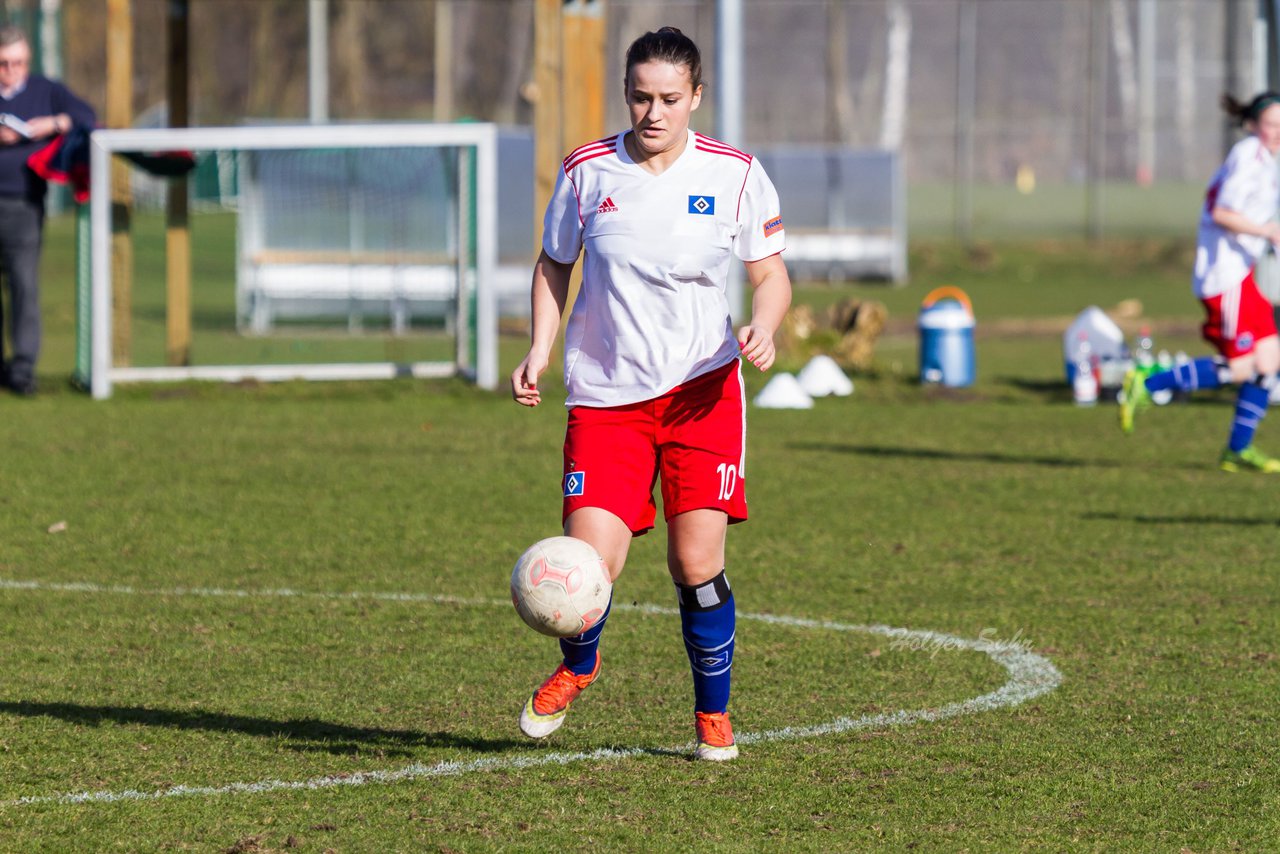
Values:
[(651, 360), (1235, 227)]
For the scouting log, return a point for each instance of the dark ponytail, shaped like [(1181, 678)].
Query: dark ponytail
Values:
[(1248, 111), (667, 45)]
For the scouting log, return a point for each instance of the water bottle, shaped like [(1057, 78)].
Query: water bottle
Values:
[(1144, 355), (1084, 384), (1147, 364)]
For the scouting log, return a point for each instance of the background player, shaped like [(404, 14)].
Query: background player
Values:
[(651, 359), (1235, 226)]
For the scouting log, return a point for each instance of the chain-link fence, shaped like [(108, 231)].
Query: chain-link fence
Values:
[(1013, 117)]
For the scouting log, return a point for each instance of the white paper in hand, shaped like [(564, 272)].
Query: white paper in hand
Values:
[(14, 123)]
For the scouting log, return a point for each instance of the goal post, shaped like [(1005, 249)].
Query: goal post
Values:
[(456, 278)]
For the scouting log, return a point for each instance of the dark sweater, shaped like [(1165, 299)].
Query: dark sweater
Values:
[(40, 97)]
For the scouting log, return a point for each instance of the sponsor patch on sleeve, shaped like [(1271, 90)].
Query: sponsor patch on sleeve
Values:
[(772, 226)]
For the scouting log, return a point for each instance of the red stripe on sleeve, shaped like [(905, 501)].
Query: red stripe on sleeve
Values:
[(583, 153), (715, 146)]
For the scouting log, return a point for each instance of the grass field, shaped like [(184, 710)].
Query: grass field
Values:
[(238, 589), (1060, 211)]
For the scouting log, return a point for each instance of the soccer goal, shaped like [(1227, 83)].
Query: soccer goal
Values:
[(318, 252)]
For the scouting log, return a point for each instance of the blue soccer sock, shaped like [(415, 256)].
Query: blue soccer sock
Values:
[(1205, 372), (579, 651), (707, 618), (1251, 406)]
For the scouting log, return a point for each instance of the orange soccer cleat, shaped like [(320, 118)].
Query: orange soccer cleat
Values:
[(715, 737), (545, 709)]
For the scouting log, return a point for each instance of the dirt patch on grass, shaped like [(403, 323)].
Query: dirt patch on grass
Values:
[(1039, 327)]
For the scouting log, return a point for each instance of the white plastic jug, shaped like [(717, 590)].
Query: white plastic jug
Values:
[(1106, 341)]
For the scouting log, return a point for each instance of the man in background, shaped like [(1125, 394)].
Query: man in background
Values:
[(33, 109)]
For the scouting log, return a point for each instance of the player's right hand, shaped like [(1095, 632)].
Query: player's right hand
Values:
[(1271, 231), (524, 380)]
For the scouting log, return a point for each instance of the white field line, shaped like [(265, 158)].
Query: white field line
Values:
[(1030, 675)]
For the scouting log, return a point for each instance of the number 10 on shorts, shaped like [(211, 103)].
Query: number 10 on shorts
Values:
[(728, 480)]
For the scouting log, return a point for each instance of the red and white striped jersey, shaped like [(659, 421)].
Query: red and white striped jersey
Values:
[(652, 312), (1248, 184)]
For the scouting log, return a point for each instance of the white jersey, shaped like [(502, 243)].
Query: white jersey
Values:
[(652, 312), (1247, 184)]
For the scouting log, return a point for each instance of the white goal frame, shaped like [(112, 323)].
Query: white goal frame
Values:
[(480, 136)]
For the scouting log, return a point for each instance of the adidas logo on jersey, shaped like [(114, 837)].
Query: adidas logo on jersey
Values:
[(607, 206)]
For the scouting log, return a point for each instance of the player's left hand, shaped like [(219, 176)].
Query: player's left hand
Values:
[(524, 379), (756, 344)]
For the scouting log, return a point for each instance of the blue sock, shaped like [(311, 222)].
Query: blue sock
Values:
[(707, 618), (1204, 372), (1251, 406), (579, 651)]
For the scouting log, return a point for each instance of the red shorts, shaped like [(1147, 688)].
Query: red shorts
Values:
[(1237, 320), (693, 438)]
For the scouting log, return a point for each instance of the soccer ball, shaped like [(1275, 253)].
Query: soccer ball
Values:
[(561, 587)]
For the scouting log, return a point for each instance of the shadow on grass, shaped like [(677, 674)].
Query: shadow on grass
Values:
[(932, 454), (1057, 391), (1182, 520), (1052, 391), (303, 735)]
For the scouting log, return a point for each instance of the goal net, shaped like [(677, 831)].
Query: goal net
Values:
[(317, 252)]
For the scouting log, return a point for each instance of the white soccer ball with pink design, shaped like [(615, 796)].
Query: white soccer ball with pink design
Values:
[(561, 587)]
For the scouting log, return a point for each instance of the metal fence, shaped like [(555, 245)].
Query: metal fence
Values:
[(1091, 117), (1095, 117)]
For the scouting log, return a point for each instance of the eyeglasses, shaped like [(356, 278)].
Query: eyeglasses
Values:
[(12, 63)]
